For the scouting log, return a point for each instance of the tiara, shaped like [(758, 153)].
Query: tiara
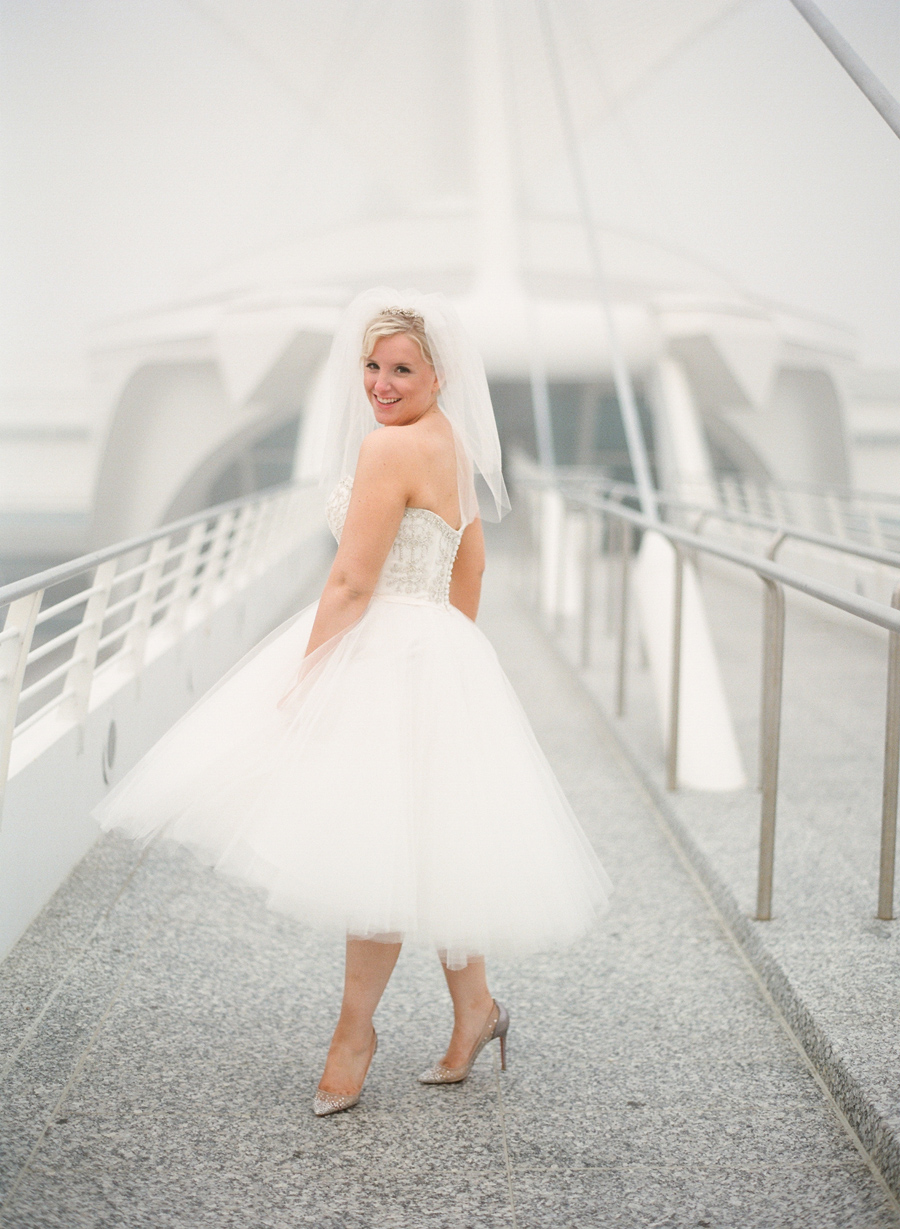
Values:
[(407, 312)]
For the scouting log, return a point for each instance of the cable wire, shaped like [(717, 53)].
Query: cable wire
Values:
[(637, 448), (877, 93)]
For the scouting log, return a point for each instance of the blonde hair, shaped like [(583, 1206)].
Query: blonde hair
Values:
[(390, 322)]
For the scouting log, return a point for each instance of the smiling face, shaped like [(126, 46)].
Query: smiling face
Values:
[(400, 384)]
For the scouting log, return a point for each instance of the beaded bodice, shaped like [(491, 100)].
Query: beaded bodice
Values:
[(420, 562)]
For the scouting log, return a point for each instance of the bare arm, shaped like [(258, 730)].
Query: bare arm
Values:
[(465, 581), (377, 504)]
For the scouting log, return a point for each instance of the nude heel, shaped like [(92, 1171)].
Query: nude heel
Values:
[(326, 1103), (494, 1027)]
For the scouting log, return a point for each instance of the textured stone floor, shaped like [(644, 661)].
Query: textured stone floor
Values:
[(161, 1035), (833, 965)]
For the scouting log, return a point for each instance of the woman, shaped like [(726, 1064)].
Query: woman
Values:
[(392, 786)]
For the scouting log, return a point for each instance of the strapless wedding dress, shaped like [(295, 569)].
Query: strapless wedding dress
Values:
[(388, 784)]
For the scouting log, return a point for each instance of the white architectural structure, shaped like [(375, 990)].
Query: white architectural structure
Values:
[(191, 390), (576, 329)]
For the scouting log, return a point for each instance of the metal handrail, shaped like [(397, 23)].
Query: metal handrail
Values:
[(812, 537), (775, 577), (781, 487), (67, 571), (174, 586), (865, 608)]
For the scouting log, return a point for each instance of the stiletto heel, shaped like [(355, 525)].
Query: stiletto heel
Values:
[(495, 1026), (333, 1102), (501, 1028)]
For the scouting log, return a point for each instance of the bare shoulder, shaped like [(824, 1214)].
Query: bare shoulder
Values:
[(386, 446), (416, 462), (384, 469)]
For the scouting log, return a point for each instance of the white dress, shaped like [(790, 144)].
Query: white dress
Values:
[(390, 784)]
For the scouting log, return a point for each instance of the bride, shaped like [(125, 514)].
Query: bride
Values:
[(368, 764)]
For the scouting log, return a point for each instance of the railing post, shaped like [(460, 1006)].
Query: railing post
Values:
[(213, 560), (561, 577), (548, 563), (770, 741), (142, 612), (536, 540), (613, 534), (240, 551), (875, 527), (775, 545), (891, 774), (835, 515), (187, 574), (622, 664), (18, 628), (587, 587), (265, 535), (675, 679), (79, 676)]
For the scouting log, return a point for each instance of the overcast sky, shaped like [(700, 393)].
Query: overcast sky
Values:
[(144, 144)]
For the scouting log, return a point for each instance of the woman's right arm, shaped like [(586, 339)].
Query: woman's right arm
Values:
[(377, 504)]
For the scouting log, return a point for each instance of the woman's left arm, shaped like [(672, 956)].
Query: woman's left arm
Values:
[(465, 580)]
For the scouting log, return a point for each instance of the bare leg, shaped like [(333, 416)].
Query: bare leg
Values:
[(369, 966), (472, 1003)]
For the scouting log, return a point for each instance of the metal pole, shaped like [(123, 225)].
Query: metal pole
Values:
[(536, 542), (891, 776), (625, 546), (776, 543), (561, 566), (587, 590), (187, 574), (637, 449), (142, 611), (540, 394), (675, 679), (771, 552), (80, 675), (878, 95), (770, 739), (212, 560), (614, 530), (14, 649)]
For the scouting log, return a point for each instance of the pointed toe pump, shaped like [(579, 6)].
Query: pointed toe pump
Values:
[(496, 1026), (325, 1103)]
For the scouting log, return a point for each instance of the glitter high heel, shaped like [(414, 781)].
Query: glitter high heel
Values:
[(333, 1102), (496, 1025)]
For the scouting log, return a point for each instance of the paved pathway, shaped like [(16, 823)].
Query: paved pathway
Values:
[(831, 964), (161, 1035)]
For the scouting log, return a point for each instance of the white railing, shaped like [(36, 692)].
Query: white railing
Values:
[(107, 614), (572, 523), (864, 517), (851, 539)]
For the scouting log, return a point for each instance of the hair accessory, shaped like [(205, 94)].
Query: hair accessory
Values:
[(343, 417), (406, 312)]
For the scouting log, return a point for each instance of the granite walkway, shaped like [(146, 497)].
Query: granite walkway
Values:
[(832, 966), (161, 1035)]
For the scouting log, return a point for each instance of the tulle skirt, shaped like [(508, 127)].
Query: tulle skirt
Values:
[(389, 785)]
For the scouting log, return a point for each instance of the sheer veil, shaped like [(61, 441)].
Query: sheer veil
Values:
[(335, 782), (464, 398)]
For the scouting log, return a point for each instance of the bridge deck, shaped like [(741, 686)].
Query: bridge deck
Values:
[(162, 1035)]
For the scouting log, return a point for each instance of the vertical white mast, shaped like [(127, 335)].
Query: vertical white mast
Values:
[(497, 207), (637, 449), (497, 204)]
